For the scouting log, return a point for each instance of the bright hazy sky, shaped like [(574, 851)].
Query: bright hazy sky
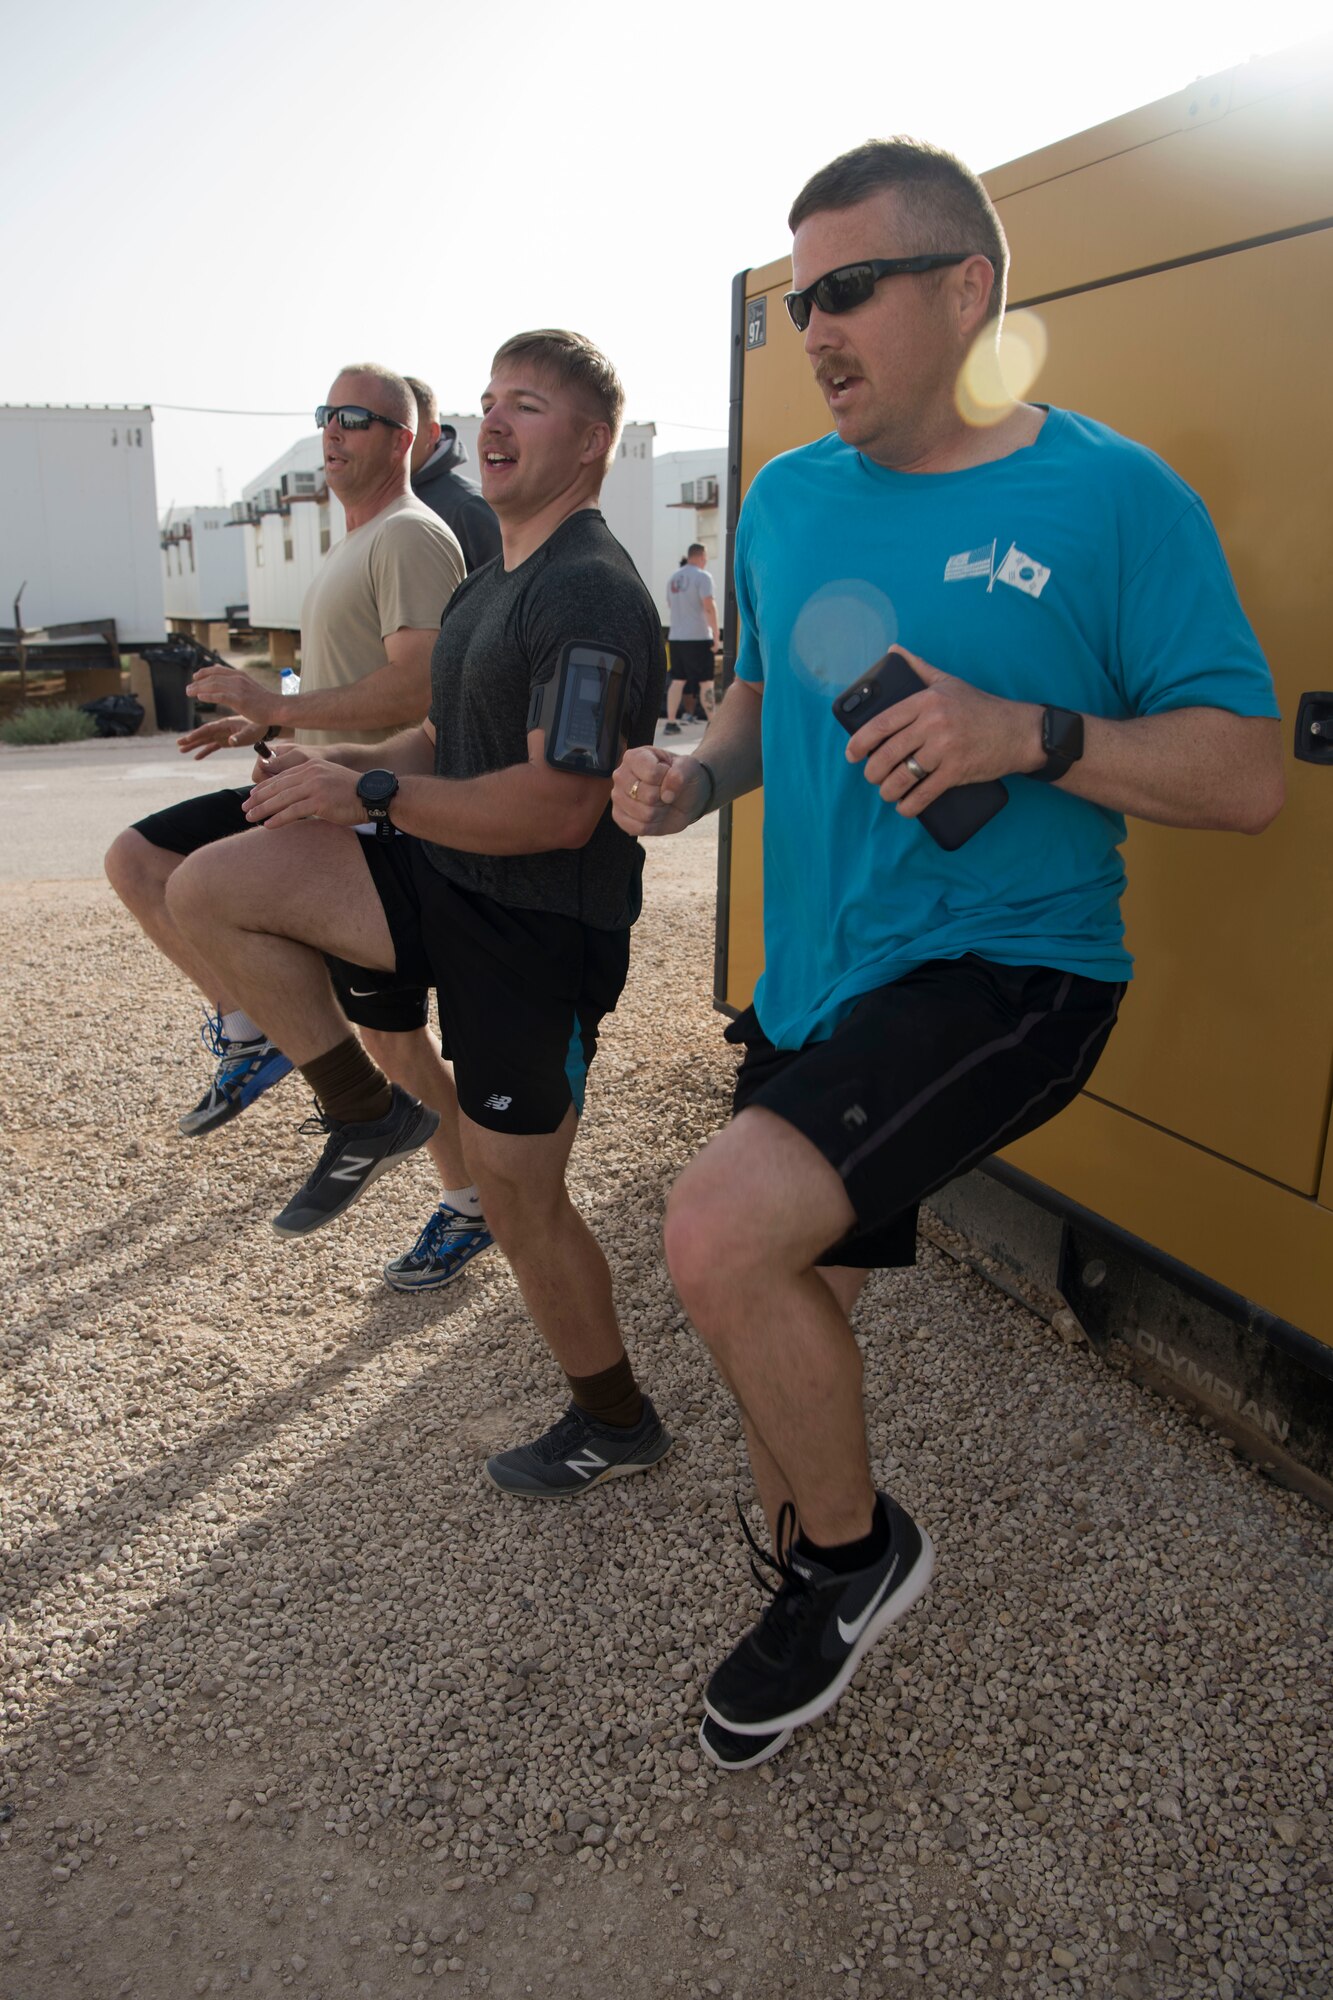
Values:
[(218, 205)]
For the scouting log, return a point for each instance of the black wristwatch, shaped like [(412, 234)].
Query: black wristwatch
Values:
[(376, 791), (1061, 740)]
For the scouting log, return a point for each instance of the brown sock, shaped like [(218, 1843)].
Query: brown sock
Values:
[(612, 1397), (349, 1086)]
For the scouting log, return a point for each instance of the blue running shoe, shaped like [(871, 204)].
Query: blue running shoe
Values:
[(245, 1071), (449, 1240)]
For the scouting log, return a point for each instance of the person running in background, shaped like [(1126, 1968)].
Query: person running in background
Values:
[(692, 638)]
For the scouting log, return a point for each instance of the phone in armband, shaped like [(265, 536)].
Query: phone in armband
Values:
[(580, 709), (955, 815)]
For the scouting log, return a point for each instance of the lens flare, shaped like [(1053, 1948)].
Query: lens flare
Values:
[(840, 631), (999, 374)]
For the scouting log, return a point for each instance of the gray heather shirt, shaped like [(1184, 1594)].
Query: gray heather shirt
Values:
[(688, 588), (503, 632)]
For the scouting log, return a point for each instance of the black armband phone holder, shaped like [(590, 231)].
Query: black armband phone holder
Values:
[(580, 708)]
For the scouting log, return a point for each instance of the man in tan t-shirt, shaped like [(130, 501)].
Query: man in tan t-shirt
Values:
[(368, 626)]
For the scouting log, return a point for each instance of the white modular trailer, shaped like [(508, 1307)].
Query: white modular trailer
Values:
[(289, 520), (627, 496), (78, 518), (203, 563), (689, 505)]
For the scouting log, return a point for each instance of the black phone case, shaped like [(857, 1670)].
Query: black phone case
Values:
[(955, 815)]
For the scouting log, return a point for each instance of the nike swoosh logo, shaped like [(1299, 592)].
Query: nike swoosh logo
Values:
[(849, 1634)]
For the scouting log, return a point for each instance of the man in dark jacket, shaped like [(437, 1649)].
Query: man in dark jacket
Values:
[(437, 455)]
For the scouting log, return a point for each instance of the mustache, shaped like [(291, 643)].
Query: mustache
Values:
[(831, 369)]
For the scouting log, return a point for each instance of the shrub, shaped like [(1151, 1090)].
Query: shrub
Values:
[(61, 722)]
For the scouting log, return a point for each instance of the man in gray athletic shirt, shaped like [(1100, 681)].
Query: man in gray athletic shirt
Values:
[(692, 638), (512, 892)]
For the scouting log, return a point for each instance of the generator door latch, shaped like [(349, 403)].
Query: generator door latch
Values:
[(1314, 729)]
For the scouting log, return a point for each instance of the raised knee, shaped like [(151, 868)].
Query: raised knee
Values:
[(699, 1233), (135, 868), (188, 890)]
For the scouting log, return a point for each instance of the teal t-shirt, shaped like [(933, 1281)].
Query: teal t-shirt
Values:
[(1080, 572)]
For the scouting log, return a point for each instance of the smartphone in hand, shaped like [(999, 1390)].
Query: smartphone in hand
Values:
[(955, 815)]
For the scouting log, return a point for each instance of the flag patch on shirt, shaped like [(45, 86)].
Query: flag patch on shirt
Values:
[(972, 562), (1023, 572), (1020, 571)]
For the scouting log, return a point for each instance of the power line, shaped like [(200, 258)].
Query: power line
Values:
[(199, 410)]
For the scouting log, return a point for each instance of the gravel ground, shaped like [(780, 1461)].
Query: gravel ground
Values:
[(293, 1699)]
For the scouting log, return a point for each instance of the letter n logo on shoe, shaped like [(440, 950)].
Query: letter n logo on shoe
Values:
[(585, 1463), (351, 1168)]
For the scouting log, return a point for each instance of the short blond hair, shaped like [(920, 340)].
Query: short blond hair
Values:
[(573, 361)]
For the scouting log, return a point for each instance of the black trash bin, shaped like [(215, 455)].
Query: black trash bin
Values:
[(172, 667)]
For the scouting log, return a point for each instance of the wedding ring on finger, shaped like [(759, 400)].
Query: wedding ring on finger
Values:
[(634, 789), (918, 774)]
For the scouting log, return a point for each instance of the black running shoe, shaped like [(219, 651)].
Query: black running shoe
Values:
[(353, 1157), (731, 1752), (578, 1452), (801, 1655)]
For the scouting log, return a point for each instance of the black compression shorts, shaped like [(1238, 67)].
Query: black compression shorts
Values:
[(198, 822), (924, 1079), (521, 993)]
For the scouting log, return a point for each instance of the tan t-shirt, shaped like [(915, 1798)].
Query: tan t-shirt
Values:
[(399, 569)]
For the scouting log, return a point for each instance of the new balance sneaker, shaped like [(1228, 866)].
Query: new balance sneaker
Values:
[(353, 1157), (801, 1655), (245, 1070), (449, 1240), (578, 1452), (731, 1752)]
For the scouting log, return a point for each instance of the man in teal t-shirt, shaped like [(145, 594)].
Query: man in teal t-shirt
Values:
[(1063, 598)]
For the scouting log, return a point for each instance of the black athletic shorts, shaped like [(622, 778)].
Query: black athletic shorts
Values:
[(521, 993), (924, 1079), (691, 661), (198, 822)]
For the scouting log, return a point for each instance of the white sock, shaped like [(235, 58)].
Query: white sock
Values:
[(238, 1027), (466, 1200)]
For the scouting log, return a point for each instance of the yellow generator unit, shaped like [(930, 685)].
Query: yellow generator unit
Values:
[(1181, 260)]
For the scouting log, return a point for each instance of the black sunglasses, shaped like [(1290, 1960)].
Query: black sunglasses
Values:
[(852, 284), (353, 417)]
